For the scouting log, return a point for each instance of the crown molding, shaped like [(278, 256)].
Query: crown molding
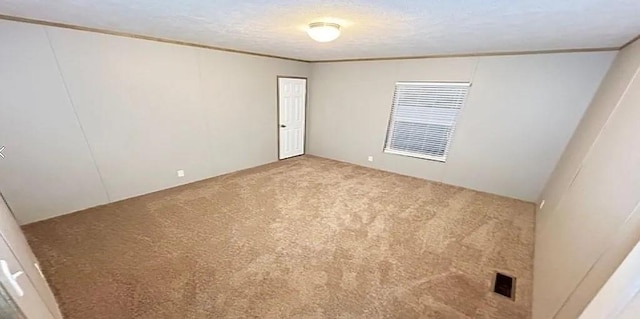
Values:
[(636, 38), (141, 37), (209, 47), (467, 55)]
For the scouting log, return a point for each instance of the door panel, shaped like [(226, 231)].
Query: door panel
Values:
[(17, 244), (8, 307), (20, 289), (292, 94)]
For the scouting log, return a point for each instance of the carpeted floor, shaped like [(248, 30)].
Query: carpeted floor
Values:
[(301, 238)]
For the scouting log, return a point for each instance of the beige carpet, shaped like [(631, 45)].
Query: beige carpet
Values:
[(302, 238)]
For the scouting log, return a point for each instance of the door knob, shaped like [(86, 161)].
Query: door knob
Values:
[(12, 278), (282, 125)]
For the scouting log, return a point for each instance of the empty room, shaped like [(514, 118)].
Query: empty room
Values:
[(319, 159)]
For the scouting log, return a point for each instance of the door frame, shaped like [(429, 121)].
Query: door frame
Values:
[(306, 103)]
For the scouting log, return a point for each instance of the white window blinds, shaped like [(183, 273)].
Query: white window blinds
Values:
[(423, 118)]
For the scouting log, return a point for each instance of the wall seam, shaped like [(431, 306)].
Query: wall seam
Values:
[(606, 123), (75, 112), (591, 147)]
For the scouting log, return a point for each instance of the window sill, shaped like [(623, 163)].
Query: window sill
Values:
[(416, 155)]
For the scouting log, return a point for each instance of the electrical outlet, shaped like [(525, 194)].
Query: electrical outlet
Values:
[(370, 158), (180, 173), (542, 204)]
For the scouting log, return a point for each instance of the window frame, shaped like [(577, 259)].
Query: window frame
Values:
[(442, 159)]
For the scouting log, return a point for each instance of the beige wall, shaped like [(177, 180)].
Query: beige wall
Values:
[(48, 169), (519, 116), (91, 118), (588, 223)]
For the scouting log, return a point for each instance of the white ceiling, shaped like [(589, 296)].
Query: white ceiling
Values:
[(371, 28)]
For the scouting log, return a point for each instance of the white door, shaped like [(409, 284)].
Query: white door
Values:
[(292, 102), (19, 272), (632, 309)]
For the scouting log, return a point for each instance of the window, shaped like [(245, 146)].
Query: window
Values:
[(423, 118)]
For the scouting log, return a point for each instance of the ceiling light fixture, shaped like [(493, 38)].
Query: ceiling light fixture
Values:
[(324, 31)]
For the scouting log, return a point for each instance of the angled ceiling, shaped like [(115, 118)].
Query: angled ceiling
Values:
[(371, 29)]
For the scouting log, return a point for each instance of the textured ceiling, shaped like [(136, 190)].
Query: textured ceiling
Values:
[(371, 28)]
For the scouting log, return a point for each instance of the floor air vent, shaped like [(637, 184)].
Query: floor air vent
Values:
[(505, 285)]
